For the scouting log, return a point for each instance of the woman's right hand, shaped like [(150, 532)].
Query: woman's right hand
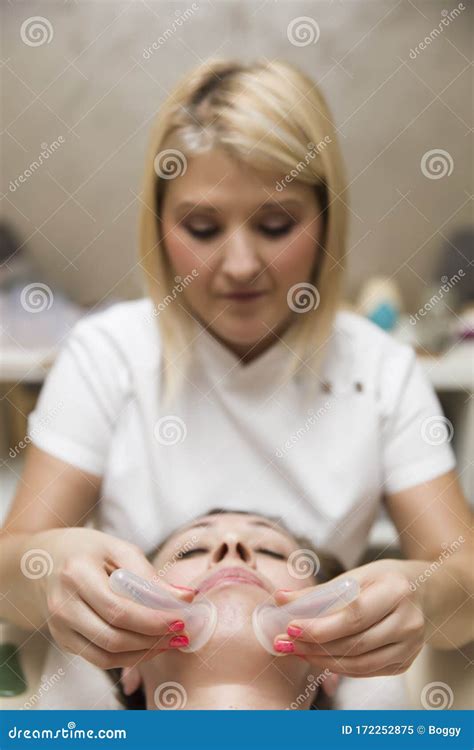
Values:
[(84, 615)]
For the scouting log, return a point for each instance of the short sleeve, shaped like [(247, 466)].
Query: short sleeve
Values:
[(416, 435), (80, 400)]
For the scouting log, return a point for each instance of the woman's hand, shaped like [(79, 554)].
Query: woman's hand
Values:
[(379, 633), (84, 615)]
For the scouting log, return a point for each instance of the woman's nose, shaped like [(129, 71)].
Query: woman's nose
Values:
[(241, 263), (232, 550)]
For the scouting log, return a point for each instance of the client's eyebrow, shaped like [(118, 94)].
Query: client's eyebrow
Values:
[(273, 527)]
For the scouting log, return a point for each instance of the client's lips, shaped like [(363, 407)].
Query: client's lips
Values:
[(230, 575)]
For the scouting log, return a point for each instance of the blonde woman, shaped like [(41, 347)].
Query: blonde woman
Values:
[(239, 382)]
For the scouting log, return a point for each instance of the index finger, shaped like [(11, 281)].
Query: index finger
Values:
[(116, 610)]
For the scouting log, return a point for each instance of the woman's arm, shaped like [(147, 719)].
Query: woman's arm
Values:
[(434, 523), (51, 494)]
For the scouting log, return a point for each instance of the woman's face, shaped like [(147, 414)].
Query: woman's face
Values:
[(248, 243), (212, 551), (235, 560)]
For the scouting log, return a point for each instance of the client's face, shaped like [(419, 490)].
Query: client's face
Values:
[(236, 561), (225, 550)]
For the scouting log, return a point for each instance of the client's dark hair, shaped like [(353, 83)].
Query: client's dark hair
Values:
[(330, 567)]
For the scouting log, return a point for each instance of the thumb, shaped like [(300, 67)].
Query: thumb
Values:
[(132, 558), (285, 596)]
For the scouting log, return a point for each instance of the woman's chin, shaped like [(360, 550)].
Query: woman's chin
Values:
[(235, 605)]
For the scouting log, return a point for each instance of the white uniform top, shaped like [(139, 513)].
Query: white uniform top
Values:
[(235, 438)]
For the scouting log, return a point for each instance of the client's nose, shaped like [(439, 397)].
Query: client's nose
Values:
[(232, 549)]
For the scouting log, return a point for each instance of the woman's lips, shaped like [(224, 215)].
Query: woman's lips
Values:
[(229, 576), (244, 296)]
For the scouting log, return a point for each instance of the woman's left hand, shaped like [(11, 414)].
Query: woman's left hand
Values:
[(379, 633)]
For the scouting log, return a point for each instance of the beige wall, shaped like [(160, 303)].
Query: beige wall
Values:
[(91, 85)]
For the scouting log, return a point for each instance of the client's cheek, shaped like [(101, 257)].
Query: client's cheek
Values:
[(184, 573)]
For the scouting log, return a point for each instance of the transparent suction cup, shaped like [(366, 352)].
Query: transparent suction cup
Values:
[(200, 617), (269, 620)]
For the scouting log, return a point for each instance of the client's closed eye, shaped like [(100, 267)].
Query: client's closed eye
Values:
[(194, 551), (272, 553)]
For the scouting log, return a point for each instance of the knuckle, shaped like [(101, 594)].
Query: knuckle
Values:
[(68, 574), (115, 612), (110, 641), (53, 604), (358, 647), (355, 614), (101, 659), (415, 625)]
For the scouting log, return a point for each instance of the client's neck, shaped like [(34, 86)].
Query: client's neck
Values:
[(209, 684)]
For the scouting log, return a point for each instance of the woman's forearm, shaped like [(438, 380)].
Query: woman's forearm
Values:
[(447, 591), (23, 565)]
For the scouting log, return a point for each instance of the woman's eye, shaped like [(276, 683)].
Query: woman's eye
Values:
[(191, 552), (206, 233), (272, 553), (203, 234), (277, 231)]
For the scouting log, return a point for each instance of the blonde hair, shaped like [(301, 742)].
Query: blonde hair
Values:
[(269, 115)]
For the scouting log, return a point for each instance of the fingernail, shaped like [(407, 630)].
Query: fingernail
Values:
[(183, 588), (176, 626), (284, 647), (179, 641), (294, 631)]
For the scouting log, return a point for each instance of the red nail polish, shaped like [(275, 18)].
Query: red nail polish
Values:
[(294, 631), (179, 641), (183, 588), (176, 626), (284, 647)]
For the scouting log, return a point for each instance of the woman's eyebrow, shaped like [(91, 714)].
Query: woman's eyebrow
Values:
[(197, 524), (188, 205), (273, 527)]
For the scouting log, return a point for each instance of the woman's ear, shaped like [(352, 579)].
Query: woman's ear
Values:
[(130, 680)]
